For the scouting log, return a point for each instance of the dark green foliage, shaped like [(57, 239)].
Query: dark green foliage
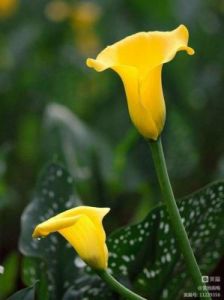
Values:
[(55, 258), (24, 294), (9, 275), (143, 256), (157, 267), (147, 255), (42, 67)]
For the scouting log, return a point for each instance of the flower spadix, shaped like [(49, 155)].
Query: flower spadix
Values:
[(82, 228), (138, 60)]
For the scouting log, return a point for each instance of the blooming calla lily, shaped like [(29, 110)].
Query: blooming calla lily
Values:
[(82, 228), (138, 60)]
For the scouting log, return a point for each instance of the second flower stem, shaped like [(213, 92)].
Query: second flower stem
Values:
[(175, 218)]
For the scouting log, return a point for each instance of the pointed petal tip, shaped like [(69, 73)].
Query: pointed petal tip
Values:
[(38, 233), (95, 64), (190, 51), (89, 62), (105, 211), (35, 233), (182, 27)]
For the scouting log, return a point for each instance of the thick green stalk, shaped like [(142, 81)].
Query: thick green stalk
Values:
[(117, 286), (175, 218)]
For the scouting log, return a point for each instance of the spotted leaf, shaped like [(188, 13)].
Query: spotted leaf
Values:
[(146, 257), (24, 294), (56, 259)]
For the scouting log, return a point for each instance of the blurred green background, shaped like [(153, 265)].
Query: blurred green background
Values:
[(43, 48)]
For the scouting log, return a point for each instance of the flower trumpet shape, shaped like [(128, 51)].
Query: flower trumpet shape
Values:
[(82, 228), (138, 60)]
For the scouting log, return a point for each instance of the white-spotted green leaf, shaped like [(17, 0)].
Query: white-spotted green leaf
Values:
[(89, 287), (147, 255), (24, 294), (56, 259)]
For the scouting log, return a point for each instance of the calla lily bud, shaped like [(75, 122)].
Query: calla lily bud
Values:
[(138, 60), (82, 228)]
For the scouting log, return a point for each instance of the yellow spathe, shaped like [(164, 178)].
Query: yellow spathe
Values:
[(138, 60), (82, 228)]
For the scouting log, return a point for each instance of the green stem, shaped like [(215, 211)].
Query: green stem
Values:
[(117, 286), (175, 218)]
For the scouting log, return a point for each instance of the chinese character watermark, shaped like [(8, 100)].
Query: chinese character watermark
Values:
[(210, 283)]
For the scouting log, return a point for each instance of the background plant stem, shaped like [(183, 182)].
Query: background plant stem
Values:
[(117, 286), (175, 218)]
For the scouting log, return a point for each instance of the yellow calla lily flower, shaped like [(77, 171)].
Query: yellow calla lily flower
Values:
[(138, 60), (82, 228)]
